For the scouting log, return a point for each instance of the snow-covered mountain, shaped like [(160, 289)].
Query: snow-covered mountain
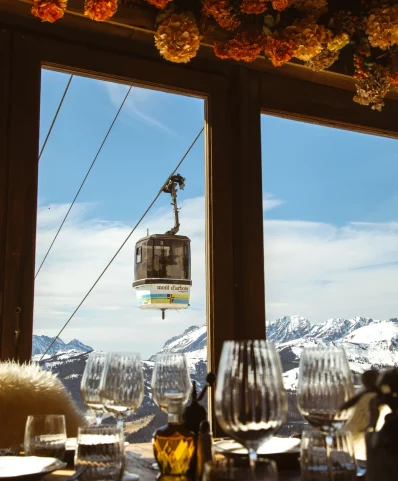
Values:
[(41, 343), (192, 342), (368, 342)]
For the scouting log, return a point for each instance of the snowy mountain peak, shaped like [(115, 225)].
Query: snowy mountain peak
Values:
[(41, 343), (288, 328)]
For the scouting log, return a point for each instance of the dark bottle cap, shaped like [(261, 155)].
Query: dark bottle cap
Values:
[(204, 427)]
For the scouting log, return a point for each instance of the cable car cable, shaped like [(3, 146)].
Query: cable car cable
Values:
[(124, 242), (84, 180), (55, 116)]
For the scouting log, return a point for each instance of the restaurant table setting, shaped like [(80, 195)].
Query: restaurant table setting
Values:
[(250, 405)]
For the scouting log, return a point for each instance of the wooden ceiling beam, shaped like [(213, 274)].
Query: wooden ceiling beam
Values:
[(138, 20)]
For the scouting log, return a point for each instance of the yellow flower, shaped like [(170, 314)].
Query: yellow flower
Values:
[(339, 41), (177, 38)]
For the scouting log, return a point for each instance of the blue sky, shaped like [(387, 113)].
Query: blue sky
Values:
[(152, 132), (330, 214), (326, 174)]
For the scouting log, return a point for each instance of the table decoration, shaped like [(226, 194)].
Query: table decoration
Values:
[(174, 443)]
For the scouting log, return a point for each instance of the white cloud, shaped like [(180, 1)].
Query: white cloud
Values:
[(135, 105), (270, 201), (317, 270), (110, 319)]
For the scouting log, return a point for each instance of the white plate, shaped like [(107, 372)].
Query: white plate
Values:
[(14, 466), (273, 445)]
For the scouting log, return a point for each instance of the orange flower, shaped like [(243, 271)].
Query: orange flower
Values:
[(394, 79), (222, 12), (281, 5), (279, 50), (49, 10), (253, 7), (244, 46), (100, 10), (159, 3)]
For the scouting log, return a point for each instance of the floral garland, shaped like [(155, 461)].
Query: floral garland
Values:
[(49, 10), (307, 31)]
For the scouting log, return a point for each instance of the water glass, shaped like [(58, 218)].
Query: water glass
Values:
[(324, 384), (228, 470), (90, 385), (45, 435), (100, 450), (251, 401), (325, 457)]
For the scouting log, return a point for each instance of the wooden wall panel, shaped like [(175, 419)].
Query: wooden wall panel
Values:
[(5, 46), (23, 138), (248, 256), (325, 105)]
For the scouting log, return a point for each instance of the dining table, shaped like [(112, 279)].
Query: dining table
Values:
[(140, 460)]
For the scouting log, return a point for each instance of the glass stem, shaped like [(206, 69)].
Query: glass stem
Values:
[(329, 447), (120, 422), (252, 459)]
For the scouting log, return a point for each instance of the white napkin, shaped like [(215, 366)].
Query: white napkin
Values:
[(11, 466)]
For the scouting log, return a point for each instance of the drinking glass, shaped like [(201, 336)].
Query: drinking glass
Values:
[(324, 461), (45, 435), (228, 470), (90, 385), (100, 453), (170, 380), (122, 385), (251, 402), (324, 384)]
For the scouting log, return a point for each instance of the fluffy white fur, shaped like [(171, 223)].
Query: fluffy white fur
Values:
[(26, 389)]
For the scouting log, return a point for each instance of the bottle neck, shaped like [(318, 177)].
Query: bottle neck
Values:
[(174, 412)]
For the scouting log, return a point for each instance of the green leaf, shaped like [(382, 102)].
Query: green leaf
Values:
[(165, 13), (266, 30), (269, 21)]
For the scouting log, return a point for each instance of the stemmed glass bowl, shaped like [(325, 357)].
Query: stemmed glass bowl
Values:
[(90, 384), (122, 384), (251, 402), (324, 384)]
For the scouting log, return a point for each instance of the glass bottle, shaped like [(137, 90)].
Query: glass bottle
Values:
[(174, 444)]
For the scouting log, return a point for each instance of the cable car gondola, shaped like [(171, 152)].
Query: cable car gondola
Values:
[(163, 263)]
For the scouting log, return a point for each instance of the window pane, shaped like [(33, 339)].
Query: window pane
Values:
[(330, 205), (150, 136)]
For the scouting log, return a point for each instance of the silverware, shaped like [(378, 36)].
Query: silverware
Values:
[(12, 451)]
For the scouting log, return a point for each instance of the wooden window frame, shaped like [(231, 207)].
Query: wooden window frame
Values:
[(235, 288), (235, 97)]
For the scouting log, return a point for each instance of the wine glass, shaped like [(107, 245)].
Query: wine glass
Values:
[(251, 402), (324, 384), (90, 385), (171, 383), (122, 385)]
